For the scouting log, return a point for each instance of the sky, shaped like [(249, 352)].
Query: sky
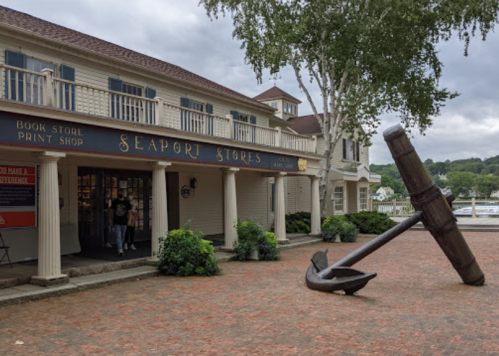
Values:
[(180, 32)]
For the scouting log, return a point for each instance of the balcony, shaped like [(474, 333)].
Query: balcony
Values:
[(46, 90)]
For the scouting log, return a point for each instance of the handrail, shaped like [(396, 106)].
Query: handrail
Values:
[(45, 89)]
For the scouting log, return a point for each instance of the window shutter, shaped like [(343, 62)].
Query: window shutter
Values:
[(185, 102), (235, 114), (185, 116), (15, 59), (68, 73), (209, 110), (115, 85), (150, 108), (357, 152), (253, 129), (150, 93), (344, 148)]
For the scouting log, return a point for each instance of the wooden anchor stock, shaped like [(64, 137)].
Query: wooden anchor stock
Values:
[(433, 209)]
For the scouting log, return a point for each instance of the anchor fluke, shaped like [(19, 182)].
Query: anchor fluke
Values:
[(347, 279)]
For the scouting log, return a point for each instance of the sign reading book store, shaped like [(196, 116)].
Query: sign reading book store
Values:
[(17, 196), (26, 130)]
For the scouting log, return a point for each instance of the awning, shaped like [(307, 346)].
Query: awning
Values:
[(354, 173)]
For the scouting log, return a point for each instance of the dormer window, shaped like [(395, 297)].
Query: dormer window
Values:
[(289, 108), (273, 104)]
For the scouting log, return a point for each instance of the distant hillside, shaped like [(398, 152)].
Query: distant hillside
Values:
[(390, 175)]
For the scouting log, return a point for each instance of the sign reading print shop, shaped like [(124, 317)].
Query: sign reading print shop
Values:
[(45, 133), (17, 196)]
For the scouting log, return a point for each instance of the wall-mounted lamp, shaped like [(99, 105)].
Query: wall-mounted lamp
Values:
[(194, 183)]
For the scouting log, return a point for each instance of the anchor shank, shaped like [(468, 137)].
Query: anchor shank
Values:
[(372, 245), (426, 197)]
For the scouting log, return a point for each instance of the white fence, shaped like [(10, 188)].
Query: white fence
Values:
[(44, 89), (394, 208)]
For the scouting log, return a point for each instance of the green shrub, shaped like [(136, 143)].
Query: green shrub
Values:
[(251, 237), (183, 252), (299, 223), (338, 225), (348, 232), (268, 248), (371, 222), (249, 232), (331, 227)]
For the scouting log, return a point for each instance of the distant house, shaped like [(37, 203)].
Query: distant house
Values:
[(443, 176), (386, 191), (377, 196)]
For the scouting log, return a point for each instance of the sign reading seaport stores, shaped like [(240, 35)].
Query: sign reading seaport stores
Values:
[(26, 130)]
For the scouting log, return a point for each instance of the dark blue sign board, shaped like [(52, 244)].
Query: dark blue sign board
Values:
[(24, 130)]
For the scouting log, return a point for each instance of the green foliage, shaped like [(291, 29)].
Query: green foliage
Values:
[(268, 249), (365, 58), (487, 184), (183, 252), (371, 222), (299, 223), (251, 237), (338, 225), (461, 182), (463, 175)]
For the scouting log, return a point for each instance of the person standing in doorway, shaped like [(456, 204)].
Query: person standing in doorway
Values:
[(120, 208), (133, 216)]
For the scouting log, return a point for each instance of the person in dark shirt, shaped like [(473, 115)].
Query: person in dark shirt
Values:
[(120, 209)]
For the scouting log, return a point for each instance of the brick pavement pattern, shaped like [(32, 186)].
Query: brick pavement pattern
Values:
[(416, 306)]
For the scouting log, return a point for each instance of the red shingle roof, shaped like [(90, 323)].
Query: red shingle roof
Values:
[(74, 38), (274, 93), (305, 125)]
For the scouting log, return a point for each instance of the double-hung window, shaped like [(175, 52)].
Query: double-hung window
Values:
[(351, 150), (363, 199), (338, 199), (34, 83)]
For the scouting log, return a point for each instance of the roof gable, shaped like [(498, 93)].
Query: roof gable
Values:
[(275, 93)]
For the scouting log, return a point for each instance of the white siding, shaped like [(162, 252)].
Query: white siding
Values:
[(205, 205)]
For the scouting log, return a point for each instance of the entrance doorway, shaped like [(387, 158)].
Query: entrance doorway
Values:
[(94, 225)]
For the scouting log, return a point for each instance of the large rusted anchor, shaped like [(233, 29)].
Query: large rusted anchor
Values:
[(432, 208)]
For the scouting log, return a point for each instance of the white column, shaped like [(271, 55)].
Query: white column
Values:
[(49, 226), (280, 209), (230, 207), (315, 209), (159, 205)]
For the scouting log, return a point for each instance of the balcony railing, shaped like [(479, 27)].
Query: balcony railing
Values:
[(45, 89)]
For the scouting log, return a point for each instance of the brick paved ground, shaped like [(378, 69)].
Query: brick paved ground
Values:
[(416, 306)]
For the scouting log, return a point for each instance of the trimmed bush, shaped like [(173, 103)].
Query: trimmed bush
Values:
[(183, 252), (371, 222), (251, 237), (348, 232), (299, 223), (339, 225), (268, 248)]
